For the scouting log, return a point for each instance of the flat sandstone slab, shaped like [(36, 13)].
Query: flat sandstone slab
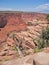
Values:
[(41, 58)]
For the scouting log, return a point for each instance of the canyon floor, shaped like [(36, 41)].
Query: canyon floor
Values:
[(19, 32)]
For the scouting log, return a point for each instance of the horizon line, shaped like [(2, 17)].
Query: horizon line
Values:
[(22, 11)]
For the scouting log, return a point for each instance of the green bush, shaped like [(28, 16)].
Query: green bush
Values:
[(36, 50), (40, 43), (15, 48), (45, 36), (47, 17), (43, 41)]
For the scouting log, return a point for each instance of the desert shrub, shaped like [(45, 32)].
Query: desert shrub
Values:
[(15, 48), (40, 44), (6, 59), (43, 41), (45, 36), (29, 23), (47, 17), (36, 50)]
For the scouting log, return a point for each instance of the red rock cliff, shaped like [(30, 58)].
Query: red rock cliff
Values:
[(16, 21)]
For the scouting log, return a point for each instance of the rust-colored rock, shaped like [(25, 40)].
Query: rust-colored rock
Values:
[(20, 29)]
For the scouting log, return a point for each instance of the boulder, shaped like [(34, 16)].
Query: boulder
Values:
[(41, 58)]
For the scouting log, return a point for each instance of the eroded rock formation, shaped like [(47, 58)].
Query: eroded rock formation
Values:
[(20, 29)]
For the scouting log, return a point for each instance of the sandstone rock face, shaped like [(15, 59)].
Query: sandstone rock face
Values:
[(20, 30), (41, 59), (17, 21), (10, 22)]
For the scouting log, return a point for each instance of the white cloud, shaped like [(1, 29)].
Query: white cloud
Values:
[(41, 8), (6, 9), (10, 9), (44, 8)]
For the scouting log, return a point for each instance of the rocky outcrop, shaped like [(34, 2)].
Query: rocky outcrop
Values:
[(41, 59), (10, 22), (20, 30)]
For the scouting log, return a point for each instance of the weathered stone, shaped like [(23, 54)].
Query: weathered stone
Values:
[(46, 50), (3, 53), (12, 52), (41, 58), (10, 41)]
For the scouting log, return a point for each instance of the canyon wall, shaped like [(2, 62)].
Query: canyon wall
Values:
[(21, 29)]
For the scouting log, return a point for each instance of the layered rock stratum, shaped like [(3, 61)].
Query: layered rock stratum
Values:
[(19, 31)]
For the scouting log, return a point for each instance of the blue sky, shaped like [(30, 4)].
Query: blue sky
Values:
[(25, 5)]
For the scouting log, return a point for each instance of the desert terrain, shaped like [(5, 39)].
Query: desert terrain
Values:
[(19, 32)]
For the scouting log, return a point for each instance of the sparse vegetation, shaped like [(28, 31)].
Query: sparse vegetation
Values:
[(43, 41), (30, 23), (15, 48), (47, 17), (6, 59), (37, 50), (37, 22)]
